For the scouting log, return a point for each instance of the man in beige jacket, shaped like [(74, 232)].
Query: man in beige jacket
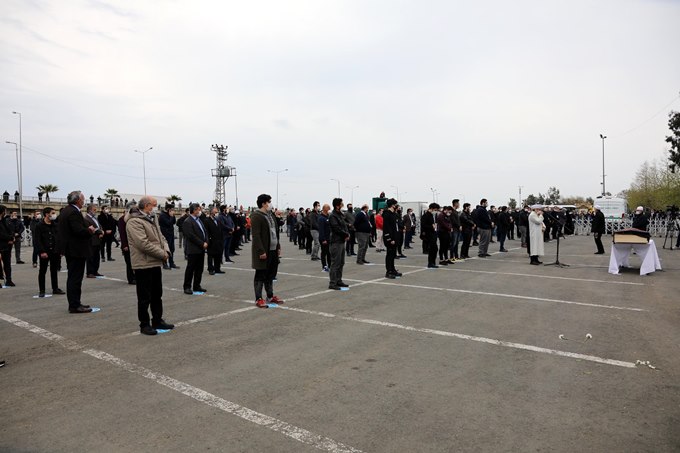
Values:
[(148, 251)]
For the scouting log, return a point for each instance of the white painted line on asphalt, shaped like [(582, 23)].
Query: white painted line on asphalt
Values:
[(299, 434), (452, 268), (511, 296), (443, 333)]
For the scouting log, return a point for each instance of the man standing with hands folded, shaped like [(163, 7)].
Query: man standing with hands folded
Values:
[(148, 251), (197, 245)]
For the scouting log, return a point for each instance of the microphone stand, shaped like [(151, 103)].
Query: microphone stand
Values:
[(557, 257)]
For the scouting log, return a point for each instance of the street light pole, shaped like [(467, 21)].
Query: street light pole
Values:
[(143, 153), (338, 181), (603, 188), (520, 197), (396, 187), (433, 192), (277, 183), (21, 170), (352, 189), (16, 151)]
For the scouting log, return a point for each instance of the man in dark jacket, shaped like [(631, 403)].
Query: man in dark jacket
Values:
[(227, 224), (45, 243), (339, 235), (484, 227), (455, 229), (467, 226), (314, 229), (6, 243), (167, 221), (349, 218), (325, 237), (429, 234), (18, 227), (504, 225), (35, 221), (265, 250), (640, 220), (215, 242), (124, 244), (96, 242), (410, 227), (390, 233), (75, 241), (197, 244), (598, 229), (109, 225), (362, 232), (523, 225)]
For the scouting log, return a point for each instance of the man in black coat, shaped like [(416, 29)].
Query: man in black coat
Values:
[(598, 229), (109, 226), (6, 243), (339, 235), (166, 220), (390, 233), (640, 220), (45, 243), (215, 242), (362, 228), (96, 242), (429, 234), (196, 247), (75, 235), (484, 227)]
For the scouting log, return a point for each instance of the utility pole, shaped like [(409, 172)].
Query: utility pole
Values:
[(21, 170), (520, 204), (221, 173), (143, 153), (603, 188)]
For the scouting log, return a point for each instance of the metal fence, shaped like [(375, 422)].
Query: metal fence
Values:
[(657, 227)]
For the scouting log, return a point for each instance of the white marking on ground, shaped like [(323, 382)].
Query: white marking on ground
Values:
[(507, 344), (299, 434)]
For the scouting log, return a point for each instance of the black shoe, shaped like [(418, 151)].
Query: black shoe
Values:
[(148, 330), (403, 256), (174, 267), (167, 268), (85, 306), (133, 282), (486, 255), (201, 290), (42, 294), (80, 309), (335, 287), (443, 263), (535, 263), (392, 276), (599, 253), (539, 262), (111, 259), (475, 243), (343, 285), (503, 250), (188, 291), (226, 261), (20, 262), (367, 262), (57, 292), (162, 325), (103, 260), (316, 258), (211, 272), (408, 247), (360, 262), (219, 272), (9, 283), (235, 254), (98, 275), (432, 266), (397, 273), (2, 363)]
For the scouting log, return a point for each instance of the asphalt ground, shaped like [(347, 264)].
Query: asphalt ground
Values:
[(462, 358)]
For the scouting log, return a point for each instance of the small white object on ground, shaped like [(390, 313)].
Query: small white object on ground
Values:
[(588, 336)]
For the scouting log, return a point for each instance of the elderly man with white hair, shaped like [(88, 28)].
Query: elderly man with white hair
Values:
[(598, 229)]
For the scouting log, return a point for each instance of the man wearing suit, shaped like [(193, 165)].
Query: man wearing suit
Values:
[(109, 226), (227, 224), (167, 221), (75, 236), (429, 234), (484, 226), (410, 226), (598, 229), (390, 232), (215, 242), (6, 244), (96, 242), (197, 244)]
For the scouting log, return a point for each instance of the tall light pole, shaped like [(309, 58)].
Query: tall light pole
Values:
[(16, 151), (433, 194), (603, 188), (338, 181), (352, 189), (143, 153), (396, 187), (520, 197), (277, 183), (21, 170)]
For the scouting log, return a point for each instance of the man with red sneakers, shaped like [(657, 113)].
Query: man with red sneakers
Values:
[(266, 250)]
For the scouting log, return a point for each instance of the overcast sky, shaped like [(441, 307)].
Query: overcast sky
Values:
[(472, 98)]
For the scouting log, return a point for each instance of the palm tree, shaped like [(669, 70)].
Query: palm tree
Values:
[(110, 194), (173, 198), (47, 189)]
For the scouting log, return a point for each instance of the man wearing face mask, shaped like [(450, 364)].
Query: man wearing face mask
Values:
[(45, 243), (314, 229), (35, 221), (148, 251), (108, 225), (6, 242), (196, 247), (339, 236), (96, 242), (428, 225), (18, 227)]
